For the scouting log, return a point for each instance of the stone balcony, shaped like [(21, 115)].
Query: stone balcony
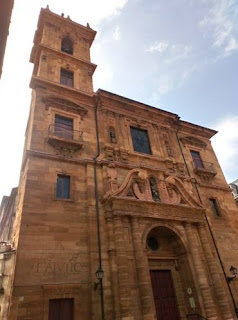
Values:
[(65, 138), (203, 168)]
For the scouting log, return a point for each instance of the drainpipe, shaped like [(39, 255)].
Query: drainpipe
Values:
[(208, 224), (97, 206)]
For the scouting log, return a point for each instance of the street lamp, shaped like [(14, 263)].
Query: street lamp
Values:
[(99, 275), (233, 271)]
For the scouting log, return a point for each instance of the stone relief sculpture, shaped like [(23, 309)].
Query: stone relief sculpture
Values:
[(178, 193), (136, 185), (139, 185)]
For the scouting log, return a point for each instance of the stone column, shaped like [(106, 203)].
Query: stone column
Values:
[(112, 259), (122, 268), (143, 276), (202, 279), (212, 265)]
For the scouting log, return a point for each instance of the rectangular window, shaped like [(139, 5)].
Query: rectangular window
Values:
[(197, 161), (67, 77), (61, 309), (63, 127), (215, 207), (63, 187), (140, 140)]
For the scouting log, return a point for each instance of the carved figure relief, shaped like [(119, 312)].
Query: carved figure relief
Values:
[(154, 189), (112, 135), (138, 185), (115, 153), (112, 177)]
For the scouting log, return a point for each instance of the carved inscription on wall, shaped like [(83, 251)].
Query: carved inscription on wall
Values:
[(55, 265), (58, 266)]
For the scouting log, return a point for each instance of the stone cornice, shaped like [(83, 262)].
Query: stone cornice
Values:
[(129, 106), (64, 104), (121, 206), (130, 115), (100, 162), (91, 66), (210, 186), (43, 84)]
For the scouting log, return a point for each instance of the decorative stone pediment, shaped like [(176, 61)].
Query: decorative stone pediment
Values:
[(137, 186), (64, 104), (193, 141), (181, 192)]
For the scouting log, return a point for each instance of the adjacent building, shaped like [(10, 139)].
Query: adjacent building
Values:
[(5, 17), (234, 187), (123, 211)]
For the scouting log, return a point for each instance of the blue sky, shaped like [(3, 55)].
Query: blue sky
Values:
[(181, 56)]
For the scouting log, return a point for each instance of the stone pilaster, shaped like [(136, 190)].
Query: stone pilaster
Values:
[(143, 276), (212, 265), (113, 266), (122, 268), (200, 271)]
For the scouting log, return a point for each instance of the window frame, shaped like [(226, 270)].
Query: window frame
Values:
[(132, 127), (216, 209), (66, 83), (198, 162), (60, 128), (69, 191)]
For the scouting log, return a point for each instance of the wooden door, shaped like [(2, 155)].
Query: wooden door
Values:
[(61, 309), (164, 295)]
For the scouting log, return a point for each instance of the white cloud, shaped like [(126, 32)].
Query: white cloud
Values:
[(158, 46), (232, 45), (164, 84), (220, 24), (186, 73), (180, 52), (116, 34), (180, 59), (174, 52), (225, 144)]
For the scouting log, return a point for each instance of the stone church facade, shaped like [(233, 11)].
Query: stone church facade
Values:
[(115, 189)]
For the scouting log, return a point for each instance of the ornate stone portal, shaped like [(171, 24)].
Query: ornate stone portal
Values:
[(166, 240)]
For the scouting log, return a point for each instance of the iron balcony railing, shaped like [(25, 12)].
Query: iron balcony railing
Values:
[(203, 166), (64, 133), (195, 316)]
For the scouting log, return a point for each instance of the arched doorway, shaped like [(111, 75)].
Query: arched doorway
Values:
[(171, 277)]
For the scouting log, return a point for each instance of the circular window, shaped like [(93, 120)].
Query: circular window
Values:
[(152, 244)]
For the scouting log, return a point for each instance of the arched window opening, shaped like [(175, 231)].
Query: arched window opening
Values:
[(154, 189), (67, 45), (112, 135)]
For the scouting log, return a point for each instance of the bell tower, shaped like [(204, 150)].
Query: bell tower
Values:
[(61, 53), (55, 188)]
